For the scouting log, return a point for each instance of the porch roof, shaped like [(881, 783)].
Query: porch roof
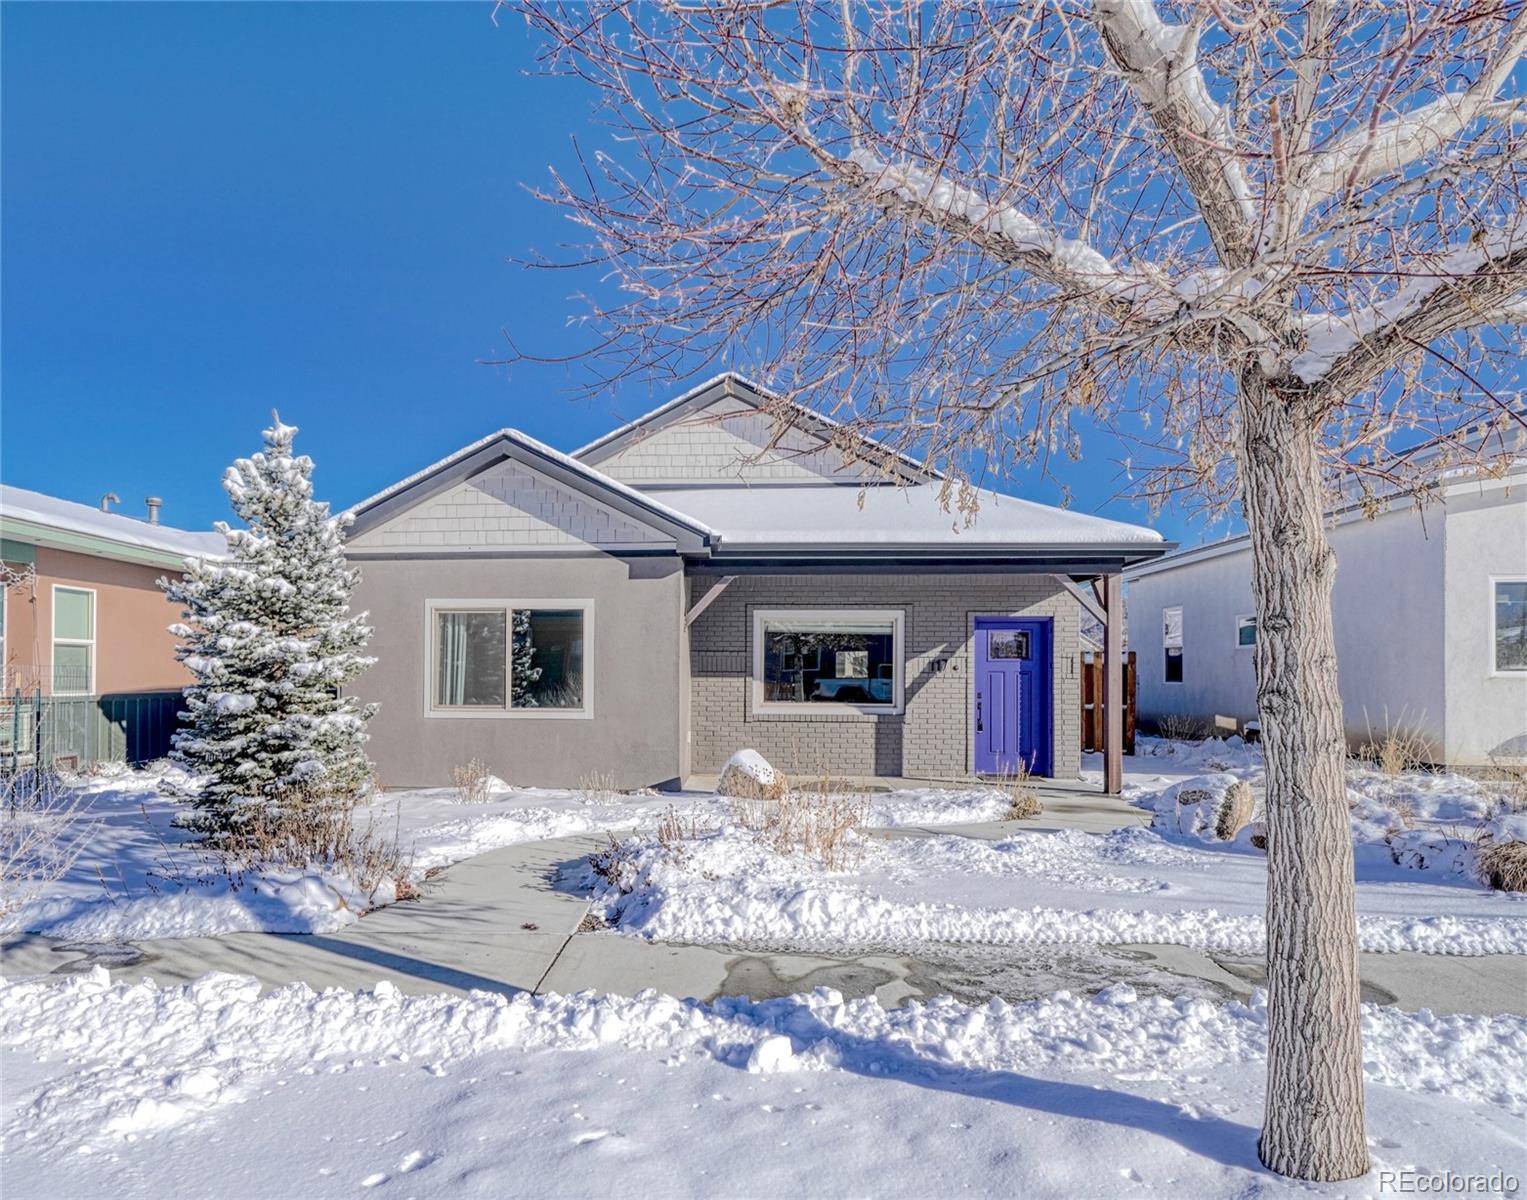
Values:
[(905, 525)]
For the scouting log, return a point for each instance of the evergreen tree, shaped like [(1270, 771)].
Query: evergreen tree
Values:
[(271, 642), (523, 672)]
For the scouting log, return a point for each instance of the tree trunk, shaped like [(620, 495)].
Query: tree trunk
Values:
[(1313, 1126)]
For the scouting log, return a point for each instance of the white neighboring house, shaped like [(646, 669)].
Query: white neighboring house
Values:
[(1431, 625)]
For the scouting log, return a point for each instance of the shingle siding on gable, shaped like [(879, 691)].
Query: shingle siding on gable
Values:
[(931, 739), (509, 506), (726, 443)]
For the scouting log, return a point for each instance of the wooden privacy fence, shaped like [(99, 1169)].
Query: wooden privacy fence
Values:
[(131, 727), (1093, 668)]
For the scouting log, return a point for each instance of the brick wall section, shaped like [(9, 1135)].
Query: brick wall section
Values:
[(932, 738), (509, 505)]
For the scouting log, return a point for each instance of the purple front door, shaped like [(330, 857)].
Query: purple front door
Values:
[(1012, 695)]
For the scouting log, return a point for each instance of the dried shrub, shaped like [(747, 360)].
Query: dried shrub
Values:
[(1023, 802), (616, 863), (1508, 785), (473, 782), (41, 835), (813, 821), (1175, 728), (738, 783), (1395, 749), (597, 787), (315, 827), (1502, 864), (1235, 810)]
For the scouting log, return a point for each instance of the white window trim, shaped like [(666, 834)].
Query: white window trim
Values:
[(1495, 672), (896, 616), (488, 604), (1241, 620), (95, 618)]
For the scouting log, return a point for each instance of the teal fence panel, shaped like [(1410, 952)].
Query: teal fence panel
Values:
[(131, 727)]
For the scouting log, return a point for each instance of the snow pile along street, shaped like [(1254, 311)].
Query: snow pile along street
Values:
[(215, 1088)]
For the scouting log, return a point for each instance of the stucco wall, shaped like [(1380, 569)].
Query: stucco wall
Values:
[(1486, 712), (932, 738), (633, 669), (1388, 606), (134, 651)]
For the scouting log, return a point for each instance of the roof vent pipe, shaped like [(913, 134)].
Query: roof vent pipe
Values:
[(154, 505), (108, 500)]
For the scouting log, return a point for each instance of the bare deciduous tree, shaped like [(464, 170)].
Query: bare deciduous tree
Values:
[(1278, 246)]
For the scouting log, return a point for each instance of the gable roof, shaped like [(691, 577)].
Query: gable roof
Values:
[(738, 387), (511, 443), (39, 519), (803, 527)]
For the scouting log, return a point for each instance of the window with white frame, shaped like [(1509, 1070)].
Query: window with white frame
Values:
[(498, 658), (1508, 605), (1245, 632), (1171, 642), (839, 658), (73, 640)]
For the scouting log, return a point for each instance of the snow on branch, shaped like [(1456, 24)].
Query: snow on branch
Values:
[(1160, 64), (1074, 266), (1488, 257), (1384, 148)]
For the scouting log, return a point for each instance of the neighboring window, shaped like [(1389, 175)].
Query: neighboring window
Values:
[(508, 659), (73, 640), (1245, 632), (1509, 598), (1171, 641), (843, 657)]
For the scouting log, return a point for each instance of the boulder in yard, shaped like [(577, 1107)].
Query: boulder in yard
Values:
[(749, 776), (1235, 811), (1208, 808)]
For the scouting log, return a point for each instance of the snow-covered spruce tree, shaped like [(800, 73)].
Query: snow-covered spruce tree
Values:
[(525, 672), (270, 639), (1279, 246)]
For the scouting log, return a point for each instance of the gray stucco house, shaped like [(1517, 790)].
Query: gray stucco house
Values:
[(727, 571)]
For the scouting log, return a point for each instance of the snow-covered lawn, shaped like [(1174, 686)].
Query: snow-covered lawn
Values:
[(217, 1089), (141, 876)]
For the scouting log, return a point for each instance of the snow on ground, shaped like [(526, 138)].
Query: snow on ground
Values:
[(141, 876), (1128, 886), (1417, 886), (214, 1088)]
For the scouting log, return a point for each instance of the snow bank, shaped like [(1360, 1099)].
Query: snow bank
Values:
[(149, 1058)]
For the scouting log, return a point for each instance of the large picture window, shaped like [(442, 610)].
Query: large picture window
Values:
[(827, 658), (73, 640), (508, 658), (1509, 603)]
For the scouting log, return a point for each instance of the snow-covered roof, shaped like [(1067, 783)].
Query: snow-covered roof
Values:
[(891, 516), (67, 516)]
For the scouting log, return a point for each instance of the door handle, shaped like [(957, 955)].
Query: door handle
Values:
[(979, 727)]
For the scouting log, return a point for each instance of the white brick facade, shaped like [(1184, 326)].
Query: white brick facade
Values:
[(507, 506), (932, 738)]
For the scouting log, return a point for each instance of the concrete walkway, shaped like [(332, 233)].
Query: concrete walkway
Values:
[(505, 922)]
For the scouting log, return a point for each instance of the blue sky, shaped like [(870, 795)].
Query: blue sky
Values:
[(213, 210)]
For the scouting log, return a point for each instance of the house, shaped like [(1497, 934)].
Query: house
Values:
[(81, 612), (1430, 612), (87, 663), (727, 571)]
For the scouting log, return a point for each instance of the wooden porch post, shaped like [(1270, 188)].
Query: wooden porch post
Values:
[(1113, 685)]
